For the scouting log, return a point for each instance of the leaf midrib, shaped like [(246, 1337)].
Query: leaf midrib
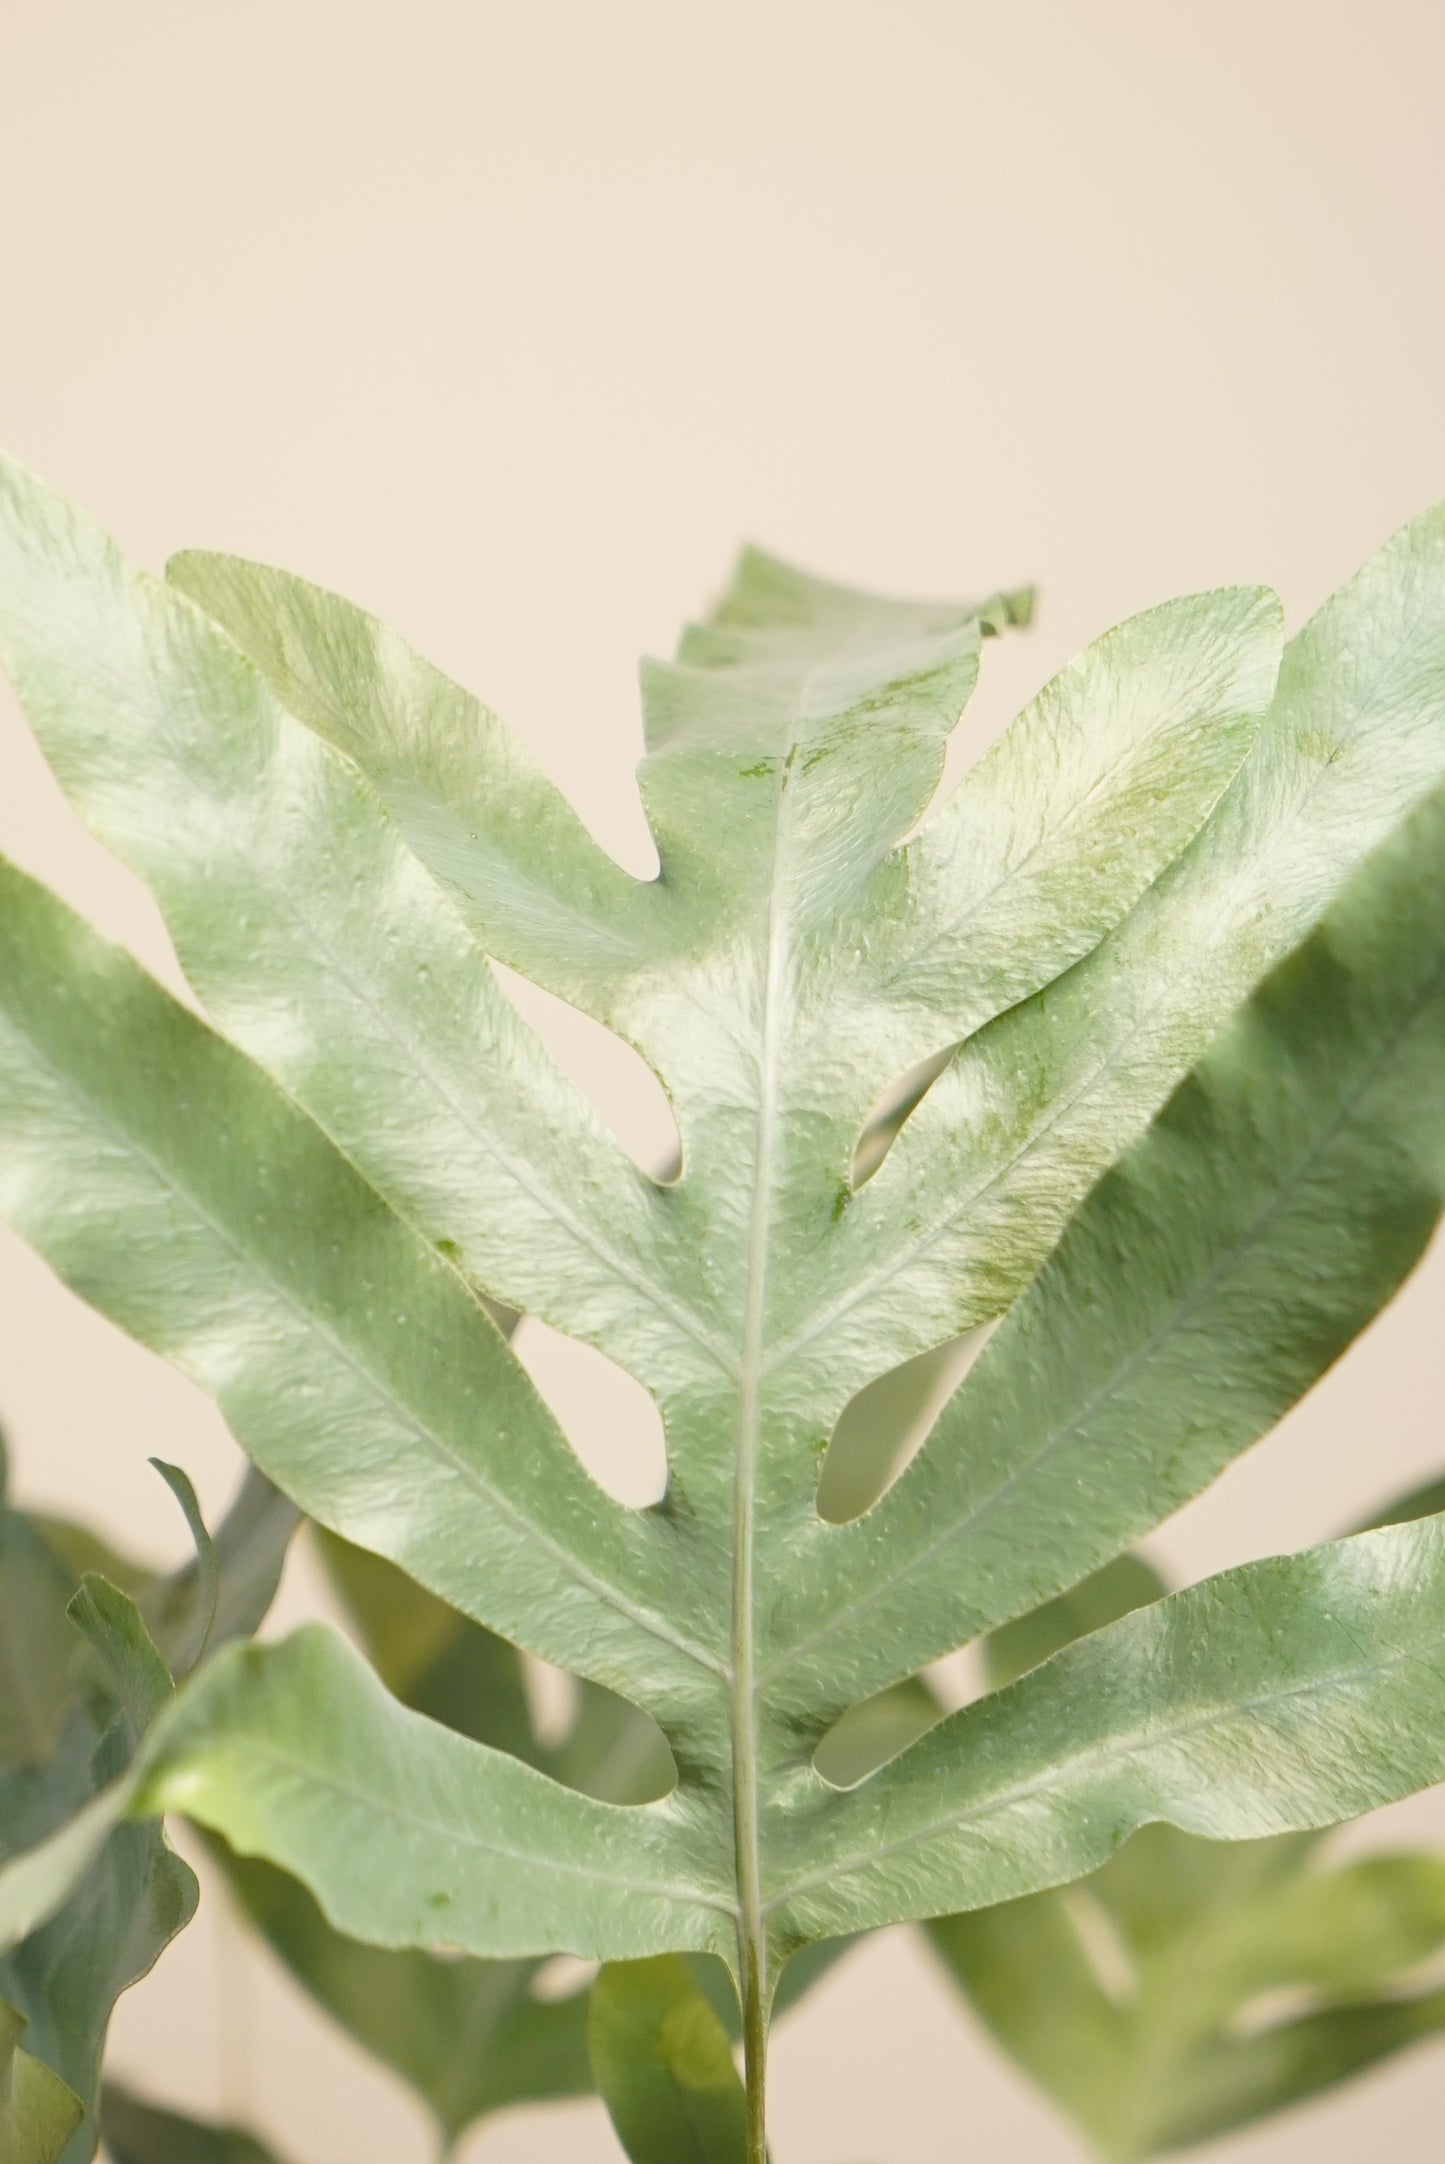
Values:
[(752, 1372), (743, 1680)]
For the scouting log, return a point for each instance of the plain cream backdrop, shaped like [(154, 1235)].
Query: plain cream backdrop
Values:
[(510, 321)]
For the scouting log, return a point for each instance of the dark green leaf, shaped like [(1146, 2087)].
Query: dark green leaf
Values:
[(662, 2062), (137, 1678), (37, 1652), (123, 1908), (469, 2036), (38, 2113), (1187, 1989), (105, 1682), (139, 2133), (202, 1578)]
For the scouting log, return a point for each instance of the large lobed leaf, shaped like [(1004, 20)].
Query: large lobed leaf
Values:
[(1185, 921)]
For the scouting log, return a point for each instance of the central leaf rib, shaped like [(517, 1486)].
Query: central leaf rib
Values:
[(752, 1922)]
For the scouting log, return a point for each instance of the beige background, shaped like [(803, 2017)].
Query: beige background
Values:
[(511, 321)]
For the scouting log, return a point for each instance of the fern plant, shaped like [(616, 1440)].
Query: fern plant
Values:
[(1168, 973)]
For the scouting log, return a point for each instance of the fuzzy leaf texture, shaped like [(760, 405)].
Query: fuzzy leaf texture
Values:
[(1189, 1987), (470, 2036), (1184, 920)]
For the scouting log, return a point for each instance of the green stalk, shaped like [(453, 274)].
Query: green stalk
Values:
[(755, 2068)]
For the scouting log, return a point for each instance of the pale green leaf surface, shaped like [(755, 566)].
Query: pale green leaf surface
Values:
[(470, 2036), (428, 1655), (794, 662), (318, 943), (350, 1364), (1191, 1986), (1056, 832), (985, 1173), (789, 767), (473, 807), (664, 2068), (1285, 1694), (296, 1753), (1106, 1594), (442, 1664), (38, 2113), (408, 1834), (1288, 1186)]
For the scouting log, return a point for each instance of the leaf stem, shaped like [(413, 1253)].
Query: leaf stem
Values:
[(752, 1922), (755, 2066)]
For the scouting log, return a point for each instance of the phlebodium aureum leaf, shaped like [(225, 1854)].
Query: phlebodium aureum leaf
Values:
[(1190, 1987), (470, 2036), (1173, 953)]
